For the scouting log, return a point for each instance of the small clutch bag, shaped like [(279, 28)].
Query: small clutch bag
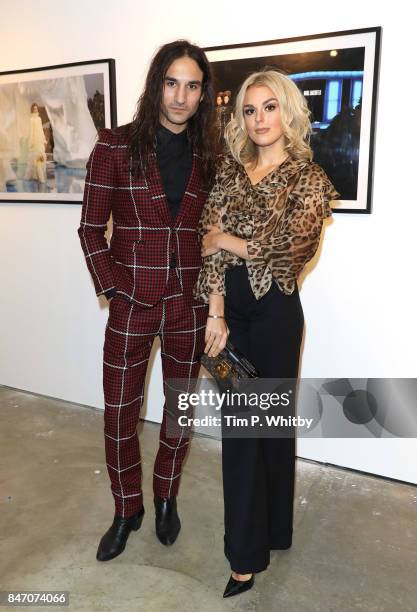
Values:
[(230, 368)]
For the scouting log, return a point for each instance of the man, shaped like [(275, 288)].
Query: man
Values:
[(152, 175)]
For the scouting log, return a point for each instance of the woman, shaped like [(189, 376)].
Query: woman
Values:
[(36, 166), (261, 224)]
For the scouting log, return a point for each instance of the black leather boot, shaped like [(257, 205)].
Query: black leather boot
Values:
[(167, 522), (114, 540), (234, 587)]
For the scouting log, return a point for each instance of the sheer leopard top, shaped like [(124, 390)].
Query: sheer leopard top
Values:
[(281, 218)]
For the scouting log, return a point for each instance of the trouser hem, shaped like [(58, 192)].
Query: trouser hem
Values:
[(241, 564)]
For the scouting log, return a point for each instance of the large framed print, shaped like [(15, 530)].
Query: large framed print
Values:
[(338, 74), (49, 119)]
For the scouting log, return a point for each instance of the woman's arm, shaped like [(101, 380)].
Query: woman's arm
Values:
[(291, 243), (211, 276), (216, 240), (210, 283)]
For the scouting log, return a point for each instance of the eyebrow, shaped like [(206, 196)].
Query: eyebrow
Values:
[(168, 78), (266, 102)]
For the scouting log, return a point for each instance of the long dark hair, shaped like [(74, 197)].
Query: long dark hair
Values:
[(145, 123)]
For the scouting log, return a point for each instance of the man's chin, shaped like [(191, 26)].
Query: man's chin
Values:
[(178, 120)]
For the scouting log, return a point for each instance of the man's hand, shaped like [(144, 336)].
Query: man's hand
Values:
[(211, 241), (110, 294)]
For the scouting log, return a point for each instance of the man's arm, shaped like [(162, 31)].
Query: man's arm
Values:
[(97, 203)]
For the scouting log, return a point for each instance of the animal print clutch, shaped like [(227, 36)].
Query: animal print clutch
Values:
[(230, 368)]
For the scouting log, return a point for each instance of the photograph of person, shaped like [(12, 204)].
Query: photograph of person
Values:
[(36, 164), (44, 152), (223, 114)]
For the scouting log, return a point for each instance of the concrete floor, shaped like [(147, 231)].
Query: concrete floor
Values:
[(354, 542)]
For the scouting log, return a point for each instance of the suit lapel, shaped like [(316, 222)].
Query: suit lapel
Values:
[(190, 194)]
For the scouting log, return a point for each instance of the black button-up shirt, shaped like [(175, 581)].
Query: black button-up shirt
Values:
[(174, 156)]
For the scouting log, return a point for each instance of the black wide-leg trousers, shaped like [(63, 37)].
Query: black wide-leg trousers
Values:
[(258, 473)]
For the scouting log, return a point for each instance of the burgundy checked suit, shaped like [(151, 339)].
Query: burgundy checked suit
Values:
[(152, 299)]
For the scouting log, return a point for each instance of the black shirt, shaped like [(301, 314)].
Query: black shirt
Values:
[(174, 156)]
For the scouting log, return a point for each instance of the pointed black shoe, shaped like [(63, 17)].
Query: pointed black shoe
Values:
[(167, 522), (114, 540), (234, 587)]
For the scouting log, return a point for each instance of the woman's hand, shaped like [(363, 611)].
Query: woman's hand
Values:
[(216, 336), (216, 240), (210, 242)]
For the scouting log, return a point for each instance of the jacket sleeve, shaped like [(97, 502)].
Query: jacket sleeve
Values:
[(286, 247), (211, 276), (96, 209)]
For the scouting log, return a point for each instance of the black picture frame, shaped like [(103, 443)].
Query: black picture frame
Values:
[(343, 138), (74, 100)]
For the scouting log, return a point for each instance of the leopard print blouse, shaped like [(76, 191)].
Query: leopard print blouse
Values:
[(281, 218)]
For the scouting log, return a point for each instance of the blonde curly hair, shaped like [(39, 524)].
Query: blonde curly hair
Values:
[(294, 117)]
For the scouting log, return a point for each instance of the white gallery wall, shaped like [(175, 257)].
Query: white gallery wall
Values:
[(360, 299)]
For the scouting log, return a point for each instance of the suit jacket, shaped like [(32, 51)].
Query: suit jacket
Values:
[(144, 235)]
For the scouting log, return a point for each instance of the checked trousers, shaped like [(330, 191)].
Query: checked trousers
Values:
[(129, 337)]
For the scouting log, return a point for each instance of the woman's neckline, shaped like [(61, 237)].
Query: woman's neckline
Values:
[(274, 169)]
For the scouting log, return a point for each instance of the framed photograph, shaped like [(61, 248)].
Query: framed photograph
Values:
[(49, 119), (338, 74)]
